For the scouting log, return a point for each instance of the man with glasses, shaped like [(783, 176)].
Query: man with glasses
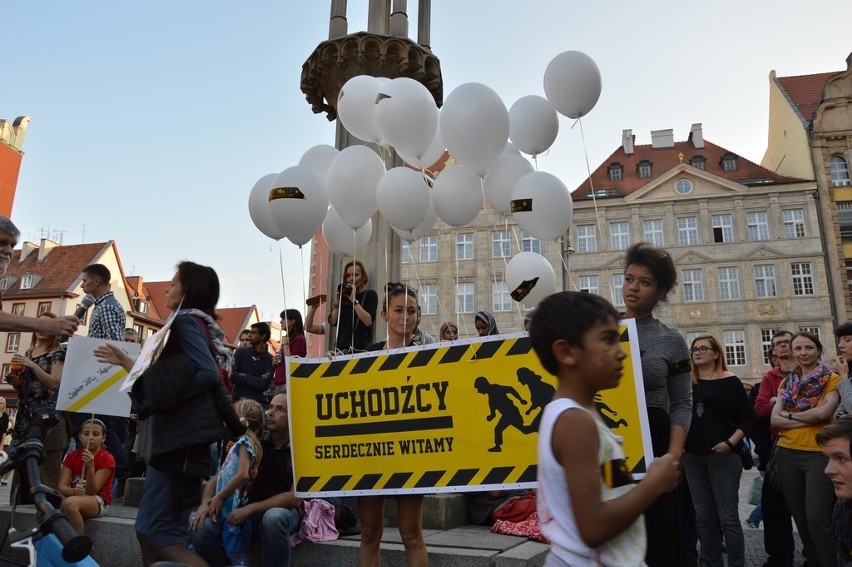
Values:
[(9, 235), (777, 521), (252, 370)]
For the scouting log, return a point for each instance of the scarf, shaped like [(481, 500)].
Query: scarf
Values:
[(489, 321), (803, 393), (217, 336)]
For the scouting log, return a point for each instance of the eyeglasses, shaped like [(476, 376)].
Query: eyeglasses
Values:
[(397, 286), (702, 350), (781, 343)]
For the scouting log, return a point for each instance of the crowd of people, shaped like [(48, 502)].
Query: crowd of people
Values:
[(204, 411)]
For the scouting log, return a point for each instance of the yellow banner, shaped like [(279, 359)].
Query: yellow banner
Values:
[(445, 417)]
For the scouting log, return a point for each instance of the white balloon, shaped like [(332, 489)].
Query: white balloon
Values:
[(530, 278), (572, 83), (546, 209), (433, 153), (533, 124), (259, 210), (511, 149), (341, 238), (457, 195), (402, 195), (422, 229), (352, 180), (407, 116), (319, 159), (356, 108), (501, 180), (299, 203), (475, 126)]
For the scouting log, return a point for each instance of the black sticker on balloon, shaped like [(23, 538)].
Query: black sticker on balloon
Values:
[(524, 289), (521, 205), (286, 193)]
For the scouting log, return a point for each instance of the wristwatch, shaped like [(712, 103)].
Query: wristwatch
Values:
[(356, 302)]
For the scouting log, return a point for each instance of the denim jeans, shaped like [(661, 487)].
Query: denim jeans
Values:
[(714, 481), (274, 526)]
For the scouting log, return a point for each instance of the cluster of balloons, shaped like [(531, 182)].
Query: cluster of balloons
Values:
[(339, 191)]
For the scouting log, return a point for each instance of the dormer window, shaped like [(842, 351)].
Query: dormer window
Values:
[(616, 172), (698, 161), (4, 284), (27, 281), (644, 169), (729, 163), (142, 306)]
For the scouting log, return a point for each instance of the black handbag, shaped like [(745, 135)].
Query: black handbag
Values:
[(745, 456)]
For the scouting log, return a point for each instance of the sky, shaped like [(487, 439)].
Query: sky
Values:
[(152, 120)]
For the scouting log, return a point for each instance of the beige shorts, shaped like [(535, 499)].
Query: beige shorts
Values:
[(103, 507)]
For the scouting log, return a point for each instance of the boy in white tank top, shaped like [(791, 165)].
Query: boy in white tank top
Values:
[(587, 503)]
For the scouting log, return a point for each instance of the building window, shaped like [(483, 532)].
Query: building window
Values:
[(18, 308), (811, 330), (794, 223), (766, 344), (698, 162), (138, 328), (839, 170), (43, 306), (464, 246), (803, 279), (5, 369), (141, 306), (693, 285), (644, 168), (764, 281), (729, 283), (589, 284), (723, 228), (653, 232), (735, 353), (429, 299), (758, 226), (500, 245), (12, 342), (616, 291), (619, 238), (500, 298), (683, 186), (729, 163), (27, 281), (687, 231), (530, 243), (615, 172), (587, 240), (405, 252), (464, 298), (4, 285), (429, 249), (150, 333), (844, 220)]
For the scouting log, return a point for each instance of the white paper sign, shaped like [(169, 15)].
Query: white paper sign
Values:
[(89, 386), (149, 353)]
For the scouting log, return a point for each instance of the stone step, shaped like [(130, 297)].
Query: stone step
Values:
[(115, 544)]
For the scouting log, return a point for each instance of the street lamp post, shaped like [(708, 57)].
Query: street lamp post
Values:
[(567, 250)]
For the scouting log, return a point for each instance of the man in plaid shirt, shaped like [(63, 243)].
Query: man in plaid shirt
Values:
[(107, 322)]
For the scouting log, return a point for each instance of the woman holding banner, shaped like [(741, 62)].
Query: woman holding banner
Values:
[(649, 276), (399, 310), (39, 371)]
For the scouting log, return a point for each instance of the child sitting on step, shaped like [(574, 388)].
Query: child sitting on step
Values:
[(87, 477)]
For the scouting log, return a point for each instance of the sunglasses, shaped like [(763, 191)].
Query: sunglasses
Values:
[(398, 287)]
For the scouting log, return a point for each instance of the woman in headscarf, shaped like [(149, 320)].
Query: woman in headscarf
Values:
[(485, 324)]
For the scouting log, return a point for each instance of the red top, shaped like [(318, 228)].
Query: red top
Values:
[(103, 460)]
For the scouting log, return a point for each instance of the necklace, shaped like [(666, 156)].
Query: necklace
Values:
[(699, 407)]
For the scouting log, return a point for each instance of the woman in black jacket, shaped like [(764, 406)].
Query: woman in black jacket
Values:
[(185, 407)]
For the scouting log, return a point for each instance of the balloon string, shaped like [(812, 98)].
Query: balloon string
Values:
[(281, 267), (562, 257), (598, 221)]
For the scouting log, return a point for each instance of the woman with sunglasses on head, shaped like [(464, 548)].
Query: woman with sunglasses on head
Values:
[(807, 400), (354, 307), (721, 414), (649, 276), (399, 310)]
